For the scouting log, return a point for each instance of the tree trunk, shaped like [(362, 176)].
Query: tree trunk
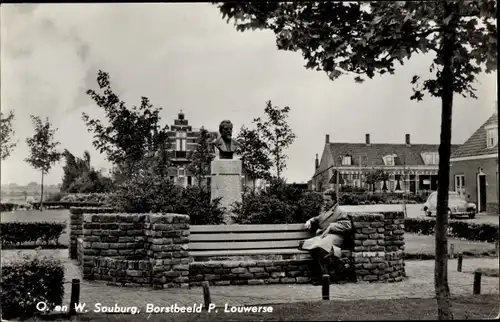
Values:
[(253, 182), (41, 195), (441, 264)]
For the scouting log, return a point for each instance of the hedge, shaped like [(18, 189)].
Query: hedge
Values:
[(13, 233), (10, 206), (369, 198), (67, 204), (26, 283), (92, 210), (485, 232)]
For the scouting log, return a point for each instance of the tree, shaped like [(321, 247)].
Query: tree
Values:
[(201, 157), (369, 38), (131, 133), (43, 152), (80, 177), (254, 154), (276, 134), (375, 176), (6, 135)]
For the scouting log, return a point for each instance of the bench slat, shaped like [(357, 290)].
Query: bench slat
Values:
[(245, 228), (243, 245), (247, 252), (223, 237)]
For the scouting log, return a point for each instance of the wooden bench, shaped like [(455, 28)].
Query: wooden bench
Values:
[(250, 254), (246, 240)]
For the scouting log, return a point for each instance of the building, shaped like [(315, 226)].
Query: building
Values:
[(182, 139), (474, 167), (410, 167)]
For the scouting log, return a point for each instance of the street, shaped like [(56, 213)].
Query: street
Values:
[(414, 211)]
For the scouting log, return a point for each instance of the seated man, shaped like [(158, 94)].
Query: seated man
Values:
[(331, 226)]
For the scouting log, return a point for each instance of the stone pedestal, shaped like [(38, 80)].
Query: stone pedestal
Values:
[(226, 183)]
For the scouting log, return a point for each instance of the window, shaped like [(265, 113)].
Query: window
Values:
[(189, 180), (172, 178), (346, 160), (389, 160), (180, 172), (180, 140), (491, 137), (428, 159), (436, 158)]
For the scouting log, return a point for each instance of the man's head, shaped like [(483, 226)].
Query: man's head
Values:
[(226, 129)]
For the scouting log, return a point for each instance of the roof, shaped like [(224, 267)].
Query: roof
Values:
[(372, 154), (476, 144)]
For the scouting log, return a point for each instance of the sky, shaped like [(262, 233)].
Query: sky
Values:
[(184, 56)]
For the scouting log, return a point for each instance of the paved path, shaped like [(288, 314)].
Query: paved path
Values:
[(419, 284)]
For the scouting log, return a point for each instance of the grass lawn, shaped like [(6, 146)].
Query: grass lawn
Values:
[(423, 247), (469, 307)]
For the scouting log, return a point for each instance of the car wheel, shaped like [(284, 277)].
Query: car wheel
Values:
[(428, 213)]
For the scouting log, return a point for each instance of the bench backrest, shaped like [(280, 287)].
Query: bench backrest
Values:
[(246, 237)]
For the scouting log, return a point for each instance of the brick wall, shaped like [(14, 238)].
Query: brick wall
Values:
[(152, 249), (135, 249)]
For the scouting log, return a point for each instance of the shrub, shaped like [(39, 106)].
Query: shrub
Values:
[(7, 206), (195, 202), (362, 198), (147, 192), (91, 210), (98, 198), (485, 232), (278, 206), (66, 204), (24, 232), (28, 282)]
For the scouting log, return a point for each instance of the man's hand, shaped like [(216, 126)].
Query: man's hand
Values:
[(307, 225), (326, 232)]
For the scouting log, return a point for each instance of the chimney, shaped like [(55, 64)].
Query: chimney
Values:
[(408, 139), (327, 138), (316, 163), (367, 139)]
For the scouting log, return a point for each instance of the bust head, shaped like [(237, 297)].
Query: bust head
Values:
[(226, 130)]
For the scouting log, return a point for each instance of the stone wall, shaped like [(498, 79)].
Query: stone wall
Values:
[(168, 237), (152, 249), (379, 247), (250, 272), (76, 225), (135, 249)]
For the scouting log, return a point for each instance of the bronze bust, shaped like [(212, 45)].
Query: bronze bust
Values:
[(225, 144)]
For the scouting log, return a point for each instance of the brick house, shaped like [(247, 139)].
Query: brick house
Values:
[(474, 167), (182, 139), (411, 167)]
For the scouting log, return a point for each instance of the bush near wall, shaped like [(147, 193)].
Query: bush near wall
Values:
[(17, 233), (101, 198), (485, 232), (9, 206), (28, 282), (368, 198), (66, 204), (92, 210), (285, 205)]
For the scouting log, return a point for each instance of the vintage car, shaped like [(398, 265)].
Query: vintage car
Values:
[(457, 207)]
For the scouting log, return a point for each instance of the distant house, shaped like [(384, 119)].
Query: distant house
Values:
[(410, 167), (474, 167), (182, 140)]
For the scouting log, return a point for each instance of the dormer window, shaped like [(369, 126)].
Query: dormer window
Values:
[(491, 136), (347, 160), (431, 158), (389, 160)]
